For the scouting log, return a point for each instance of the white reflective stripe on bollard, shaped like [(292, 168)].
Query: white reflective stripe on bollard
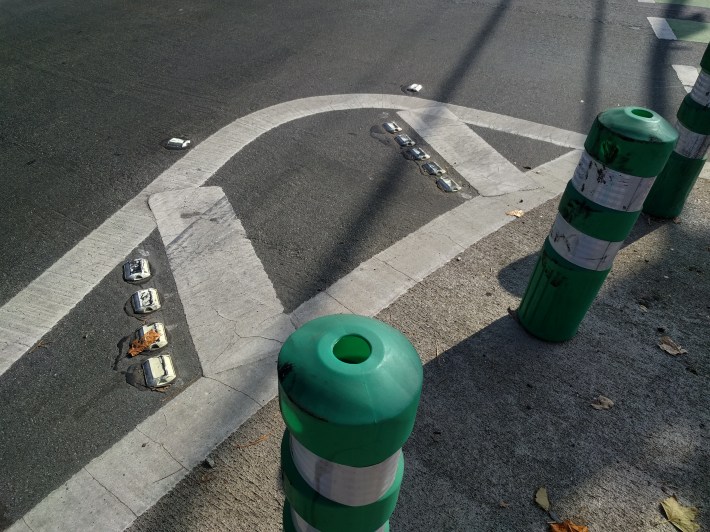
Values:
[(580, 249), (352, 486), (609, 188), (301, 526), (701, 89), (691, 145)]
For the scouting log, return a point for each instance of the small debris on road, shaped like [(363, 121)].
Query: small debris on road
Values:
[(517, 213), (542, 499), (602, 403), (413, 87), (259, 440), (567, 526), (209, 462), (681, 517), (141, 344), (670, 347)]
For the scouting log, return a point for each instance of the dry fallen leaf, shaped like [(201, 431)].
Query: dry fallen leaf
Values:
[(567, 526), (541, 499), (141, 344), (682, 517), (670, 347), (517, 213), (602, 403), (257, 441)]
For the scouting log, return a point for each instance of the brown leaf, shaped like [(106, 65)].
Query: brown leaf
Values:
[(568, 526), (602, 403), (517, 213), (541, 499), (257, 441), (670, 347), (682, 517), (141, 344)]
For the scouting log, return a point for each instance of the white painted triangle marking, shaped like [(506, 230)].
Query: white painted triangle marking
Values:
[(481, 165), (231, 307), (687, 75)]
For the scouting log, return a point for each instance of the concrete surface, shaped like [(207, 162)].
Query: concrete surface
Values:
[(503, 413)]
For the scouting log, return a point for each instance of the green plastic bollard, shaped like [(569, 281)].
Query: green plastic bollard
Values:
[(673, 185), (326, 515), (289, 526), (349, 388), (625, 149)]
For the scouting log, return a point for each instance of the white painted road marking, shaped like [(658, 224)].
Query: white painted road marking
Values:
[(182, 433), (239, 368), (661, 28), (229, 302), (687, 75), (34, 311), (484, 168)]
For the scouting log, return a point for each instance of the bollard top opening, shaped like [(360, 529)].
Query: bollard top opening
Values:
[(643, 113), (352, 349)]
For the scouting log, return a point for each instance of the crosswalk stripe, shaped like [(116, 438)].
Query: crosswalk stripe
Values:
[(661, 28)]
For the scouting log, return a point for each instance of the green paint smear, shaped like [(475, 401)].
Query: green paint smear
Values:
[(688, 30), (695, 3)]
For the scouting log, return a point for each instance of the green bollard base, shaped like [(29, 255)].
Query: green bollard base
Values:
[(330, 516), (672, 187), (290, 527), (558, 296)]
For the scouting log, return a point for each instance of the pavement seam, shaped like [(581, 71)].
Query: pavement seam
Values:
[(235, 389), (109, 491), (165, 448)]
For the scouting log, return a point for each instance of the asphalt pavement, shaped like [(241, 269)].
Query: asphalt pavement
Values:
[(89, 92), (503, 413)]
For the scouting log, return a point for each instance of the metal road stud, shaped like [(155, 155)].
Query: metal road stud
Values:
[(417, 154), (624, 151), (159, 371), (349, 388), (404, 140), (145, 301), (673, 185), (433, 169), (136, 271)]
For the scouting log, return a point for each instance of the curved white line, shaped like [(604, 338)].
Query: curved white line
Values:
[(35, 310)]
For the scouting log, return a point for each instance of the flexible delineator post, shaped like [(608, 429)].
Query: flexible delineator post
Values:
[(349, 388), (673, 185), (625, 149)]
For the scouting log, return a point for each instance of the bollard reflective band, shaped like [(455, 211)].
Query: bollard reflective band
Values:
[(580, 249), (351, 486), (701, 89), (301, 525), (609, 188), (691, 145)]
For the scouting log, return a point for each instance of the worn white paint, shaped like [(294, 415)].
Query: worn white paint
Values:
[(661, 28), (34, 311), (484, 168), (231, 307), (239, 366), (687, 75)]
